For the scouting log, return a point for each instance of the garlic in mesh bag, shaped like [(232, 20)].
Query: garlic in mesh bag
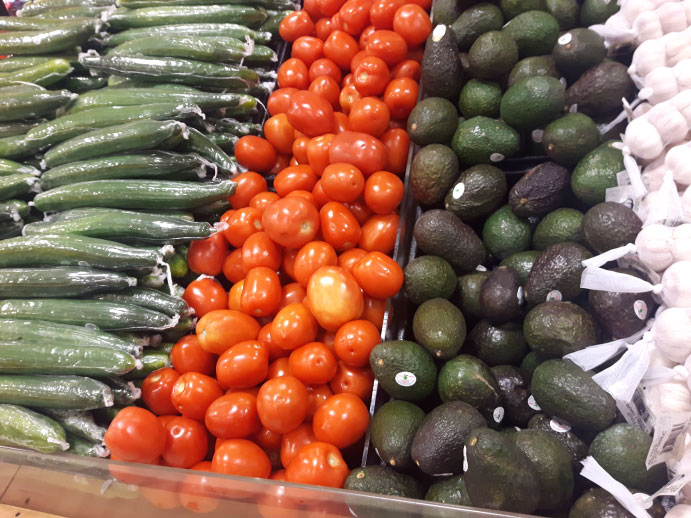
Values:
[(672, 332)]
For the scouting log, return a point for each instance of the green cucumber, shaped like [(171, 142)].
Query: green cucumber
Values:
[(235, 127), (147, 164), (31, 104), (44, 74), (148, 298), (81, 84), (226, 141), (8, 167), (212, 209), (17, 147), (124, 18), (274, 20), (165, 347), (16, 184), (79, 446), (62, 36), (60, 281), (9, 229), (17, 128), (41, 6), (227, 30), (104, 315), (15, 63), (124, 392), (79, 423), (69, 392), (151, 361), (138, 4), (16, 209), (25, 23), (137, 135), (24, 428), (202, 145), (71, 13)]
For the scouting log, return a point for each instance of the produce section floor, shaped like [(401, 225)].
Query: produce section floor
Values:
[(9, 511)]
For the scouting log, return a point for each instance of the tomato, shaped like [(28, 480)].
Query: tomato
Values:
[(291, 222), (156, 389), (397, 144), (318, 152), (323, 28), (313, 9), (299, 149), (330, 7), (310, 114), (347, 259), (248, 184), (233, 416), (354, 341), (272, 348), (359, 209), (261, 293), (197, 492), (311, 257), (280, 135), (204, 295), (162, 494), (291, 294), (317, 395), (288, 263), (320, 196), (357, 59), (339, 227), (382, 12), (364, 151), (293, 442), (341, 420), (336, 23), (374, 311), (207, 255), (188, 356), (186, 442), (353, 380), (425, 4), (307, 49), (278, 368), (293, 326), (255, 153), (383, 192), (282, 404), (235, 296), (242, 458), (379, 233), (282, 161), (279, 100), (193, 393), (241, 224), (135, 435), (364, 36), (295, 24), (313, 363), (413, 23), (334, 297), (326, 87), (369, 115), (387, 45), (354, 16), (319, 464), (349, 95), (267, 439), (243, 365), (325, 67), (293, 73), (401, 97), (261, 200), (371, 76), (260, 250), (298, 177), (348, 80), (218, 330), (407, 68), (232, 267), (342, 182), (379, 275), (340, 47)]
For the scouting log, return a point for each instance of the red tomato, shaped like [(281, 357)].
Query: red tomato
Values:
[(218, 330), (413, 23), (310, 114), (273, 349), (311, 257), (313, 8), (334, 297), (313, 363), (320, 196), (349, 258), (330, 7), (260, 250), (318, 152), (339, 227), (362, 42), (374, 311), (307, 49), (317, 395), (207, 255), (353, 380), (364, 151), (261, 292), (387, 45), (293, 326), (349, 95), (197, 491), (156, 389), (291, 222), (407, 68), (425, 4), (401, 97), (336, 23), (282, 404), (249, 184), (341, 420), (293, 178), (379, 233), (282, 161), (354, 15), (292, 293), (233, 416), (193, 393), (379, 275), (188, 356), (340, 47), (369, 115), (242, 224), (301, 193), (354, 341), (232, 267), (293, 73), (255, 153), (383, 192), (326, 87), (348, 80), (325, 67), (371, 76), (280, 135), (323, 28), (242, 458), (359, 209), (261, 200), (357, 59), (342, 182), (318, 464), (204, 295), (382, 12), (235, 296), (135, 435), (186, 442), (294, 25), (279, 100), (294, 441), (288, 263), (278, 368), (267, 439), (397, 144), (341, 122), (243, 365), (299, 149)]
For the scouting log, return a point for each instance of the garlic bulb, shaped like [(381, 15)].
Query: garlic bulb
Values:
[(648, 26), (681, 242), (642, 109), (672, 17), (670, 397), (654, 173), (682, 71), (686, 203), (678, 160), (669, 122), (679, 511), (654, 247), (676, 285), (630, 10), (672, 329), (660, 85), (643, 139), (647, 57)]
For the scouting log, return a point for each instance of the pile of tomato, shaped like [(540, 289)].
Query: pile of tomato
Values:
[(274, 382)]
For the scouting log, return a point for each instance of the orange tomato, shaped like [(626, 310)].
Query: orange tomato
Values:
[(348, 96), (204, 295), (339, 227), (312, 363), (341, 420), (323, 28), (310, 114), (293, 326), (319, 464), (320, 196), (325, 67), (291, 222), (282, 404), (242, 458), (221, 329), (255, 153), (359, 209), (326, 87), (349, 258), (278, 368), (317, 395), (188, 356), (260, 250), (235, 296), (243, 365), (309, 258), (193, 393), (334, 297), (299, 149), (261, 200), (379, 275), (401, 97), (292, 293), (354, 15), (379, 233), (413, 24), (232, 267), (397, 144), (156, 389), (307, 49), (261, 292), (280, 135), (364, 151), (274, 350), (293, 73), (371, 76), (340, 47), (374, 311), (369, 115), (407, 68), (364, 36), (382, 12), (342, 182), (353, 380), (318, 152), (233, 416), (294, 25), (293, 442), (383, 192), (279, 100), (354, 341), (341, 122), (248, 184), (387, 45), (357, 59), (242, 223), (293, 178), (206, 256), (186, 442), (267, 439)]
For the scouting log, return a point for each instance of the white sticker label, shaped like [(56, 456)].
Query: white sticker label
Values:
[(517, 428), (480, 268), (533, 404), (498, 414), (640, 308), (554, 295), (458, 191), (519, 295), (565, 39), (536, 135), (563, 82), (559, 425), (465, 459), (405, 379), (496, 157), (442, 474)]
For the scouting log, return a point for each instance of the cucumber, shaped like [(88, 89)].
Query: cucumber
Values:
[(44, 74), (16, 23), (79, 446), (104, 315), (148, 298), (133, 194), (17, 147), (69, 250), (91, 211), (213, 209), (124, 18), (31, 104), (185, 326), (202, 145), (8, 167), (13, 129), (226, 30), (9, 229), (165, 347), (273, 21), (15, 63), (78, 423), (16, 184), (41, 6), (81, 84), (69, 392), (235, 127), (137, 135), (71, 13), (60, 281), (62, 36), (174, 70), (75, 124), (151, 361), (226, 141), (24, 428), (16, 209), (269, 4), (124, 392)]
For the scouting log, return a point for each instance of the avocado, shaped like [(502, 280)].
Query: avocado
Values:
[(446, 11), (598, 503), (577, 50), (552, 463), (432, 121), (565, 391), (621, 450), (575, 447), (501, 296), (530, 363), (600, 89), (394, 426), (535, 32), (554, 329), (428, 277), (596, 172), (438, 444), (558, 226), (432, 171), (512, 8), (558, 269), (439, 327), (621, 314), (467, 378), (532, 67), (404, 369), (478, 191), (480, 97), (499, 475), (382, 480), (565, 11), (438, 232), (441, 73), (532, 102), (492, 55), (469, 293), (610, 225), (597, 11), (482, 140), (475, 21), (450, 491), (504, 233), (569, 138), (522, 262), (541, 190), (496, 345), (515, 393)]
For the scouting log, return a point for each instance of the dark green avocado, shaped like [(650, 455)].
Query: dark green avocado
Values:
[(541, 190)]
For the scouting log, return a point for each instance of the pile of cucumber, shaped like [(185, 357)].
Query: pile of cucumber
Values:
[(115, 153)]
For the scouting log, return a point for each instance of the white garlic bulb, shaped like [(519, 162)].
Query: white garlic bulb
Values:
[(672, 329), (654, 247)]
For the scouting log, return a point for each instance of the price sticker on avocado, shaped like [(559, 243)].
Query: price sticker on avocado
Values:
[(405, 379)]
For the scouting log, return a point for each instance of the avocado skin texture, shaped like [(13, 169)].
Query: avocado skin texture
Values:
[(541, 190), (610, 225), (535, 32), (394, 426), (565, 11), (575, 447), (499, 474), (596, 172), (532, 102), (569, 138), (479, 140), (480, 98), (442, 74), (598, 503), (382, 480), (439, 327), (475, 21), (438, 232), (512, 8), (446, 11), (496, 345), (597, 11), (428, 277), (433, 121), (505, 234), (469, 293), (585, 49), (432, 172), (438, 444), (451, 491), (530, 363), (466, 378), (522, 262), (492, 55), (532, 67), (565, 391), (558, 268), (499, 296), (600, 89), (615, 311), (391, 357), (558, 226), (621, 450), (515, 393), (554, 329), (553, 465), (484, 191)]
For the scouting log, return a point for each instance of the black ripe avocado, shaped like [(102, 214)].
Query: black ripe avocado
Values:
[(610, 225), (450, 491), (558, 269), (432, 172), (393, 362), (442, 74), (439, 327), (515, 393), (382, 480), (394, 426), (600, 89), (496, 345), (541, 190), (577, 449), (555, 329), (501, 295), (469, 293)]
